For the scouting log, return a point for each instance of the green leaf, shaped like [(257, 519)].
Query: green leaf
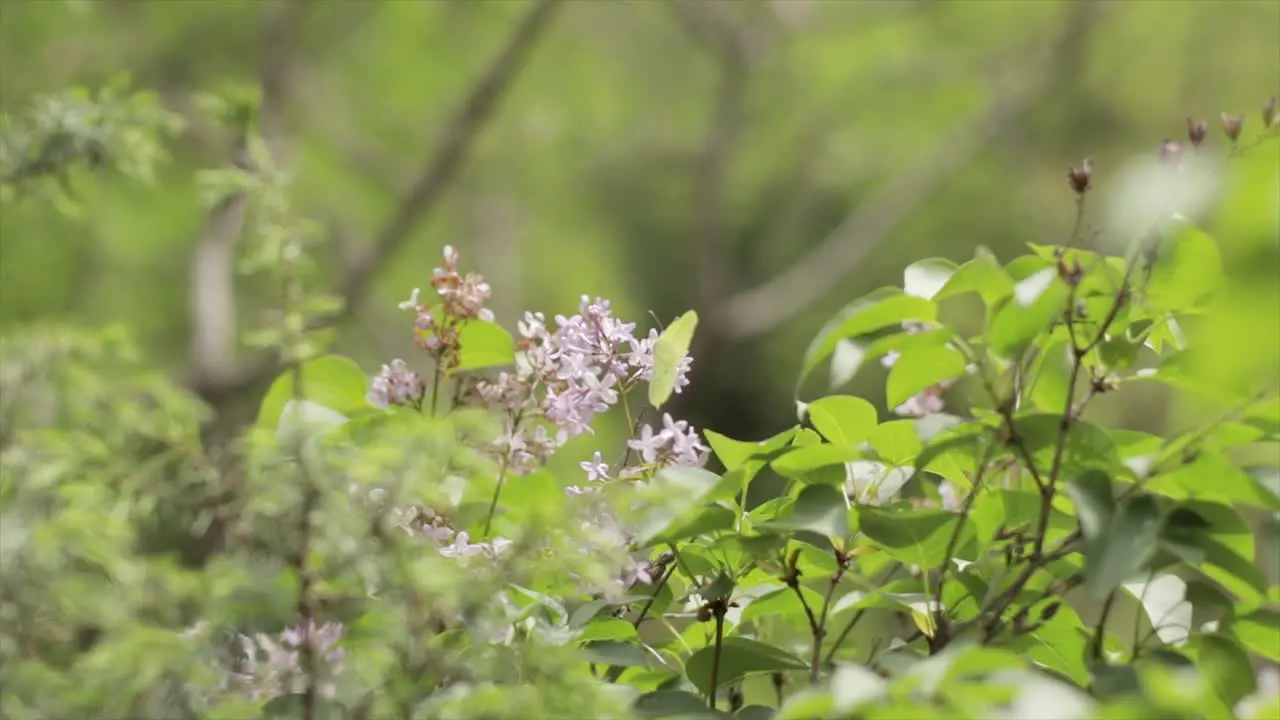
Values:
[(711, 519), (302, 420), (914, 537), (897, 442), (1036, 304), (1213, 477), (1214, 539), (615, 652), (292, 706), (671, 703), (1259, 631), (735, 453), (1188, 270), (607, 629), (820, 509), (1224, 664), (1125, 549), (739, 657), (843, 419), (332, 381), (668, 352), (983, 275), (1095, 505), (782, 601), (880, 309), (689, 483), (803, 460), (918, 369), (483, 344), (926, 278), (1088, 447)]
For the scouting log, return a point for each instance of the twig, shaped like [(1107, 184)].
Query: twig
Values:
[(420, 200), (732, 52), (211, 300), (718, 611), (1099, 630), (760, 309)]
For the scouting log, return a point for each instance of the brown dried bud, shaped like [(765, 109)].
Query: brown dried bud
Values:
[(704, 613), (1196, 131), (1231, 126), (1170, 152), (1269, 112), (1079, 177), (1070, 274)]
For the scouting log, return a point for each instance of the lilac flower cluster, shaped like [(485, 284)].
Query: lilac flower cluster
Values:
[(424, 522), (568, 376), (929, 400), (271, 666)]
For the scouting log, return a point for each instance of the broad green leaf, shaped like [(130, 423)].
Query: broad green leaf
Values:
[(332, 381), (1088, 447), (1187, 271), (668, 352), (616, 652), (925, 278), (302, 420), (1225, 665), (483, 344), (818, 508), (897, 442), (983, 275), (1259, 631), (692, 485), (1214, 539), (914, 537), (880, 309), (607, 629), (782, 601), (671, 704), (920, 368), (739, 657), (734, 453), (1095, 505), (843, 419), (709, 520), (806, 459), (1036, 304), (1213, 477), (1125, 549)]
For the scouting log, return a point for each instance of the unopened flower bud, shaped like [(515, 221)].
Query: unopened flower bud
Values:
[(1231, 126), (1196, 131), (1079, 177), (1269, 112)]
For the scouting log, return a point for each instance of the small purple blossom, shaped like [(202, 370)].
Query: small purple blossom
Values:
[(595, 468), (396, 384)]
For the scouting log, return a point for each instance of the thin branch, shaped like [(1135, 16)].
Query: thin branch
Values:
[(731, 49), (212, 270), (423, 196), (760, 309), (449, 154)]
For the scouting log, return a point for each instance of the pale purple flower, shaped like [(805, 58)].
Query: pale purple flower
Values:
[(926, 402), (595, 468), (950, 496), (676, 444), (396, 384)]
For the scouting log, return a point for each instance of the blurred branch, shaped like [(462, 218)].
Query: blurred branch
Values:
[(728, 42), (449, 154), (212, 272), (763, 308), (443, 164)]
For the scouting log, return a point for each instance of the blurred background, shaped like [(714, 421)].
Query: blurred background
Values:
[(762, 161)]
